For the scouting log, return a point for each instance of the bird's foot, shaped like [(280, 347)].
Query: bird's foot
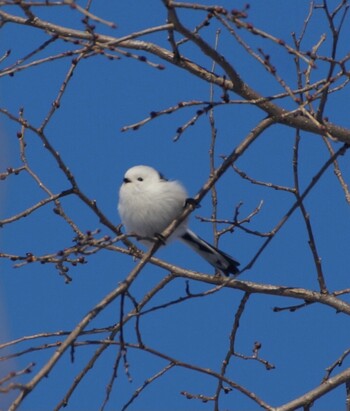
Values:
[(159, 237), (193, 202)]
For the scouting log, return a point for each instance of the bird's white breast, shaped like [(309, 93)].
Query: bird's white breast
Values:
[(147, 209)]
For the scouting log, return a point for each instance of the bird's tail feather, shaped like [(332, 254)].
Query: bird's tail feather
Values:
[(213, 255)]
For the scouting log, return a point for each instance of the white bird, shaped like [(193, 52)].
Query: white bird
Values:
[(148, 203)]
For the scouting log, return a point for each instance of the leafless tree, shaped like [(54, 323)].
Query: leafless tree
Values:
[(197, 39)]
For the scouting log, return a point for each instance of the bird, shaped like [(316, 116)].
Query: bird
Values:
[(148, 203)]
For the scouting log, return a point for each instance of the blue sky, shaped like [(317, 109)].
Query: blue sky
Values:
[(102, 97)]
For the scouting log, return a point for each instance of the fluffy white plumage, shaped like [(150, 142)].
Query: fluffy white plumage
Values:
[(148, 203)]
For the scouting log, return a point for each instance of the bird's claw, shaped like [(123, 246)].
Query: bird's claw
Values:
[(193, 202), (160, 238)]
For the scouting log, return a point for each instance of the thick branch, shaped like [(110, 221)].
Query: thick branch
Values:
[(308, 398)]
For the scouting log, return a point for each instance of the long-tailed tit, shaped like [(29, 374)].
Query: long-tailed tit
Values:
[(148, 203)]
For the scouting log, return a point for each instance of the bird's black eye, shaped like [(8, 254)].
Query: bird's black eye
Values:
[(139, 179)]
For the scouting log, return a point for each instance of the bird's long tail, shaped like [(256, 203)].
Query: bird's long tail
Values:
[(213, 255)]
